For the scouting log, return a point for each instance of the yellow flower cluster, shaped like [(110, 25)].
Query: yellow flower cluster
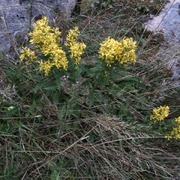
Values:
[(45, 39), (178, 120), (43, 33), (175, 133), (45, 67), (27, 54), (160, 113), (112, 51), (76, 48)]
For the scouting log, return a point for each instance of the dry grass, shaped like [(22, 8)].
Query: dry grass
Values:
[(99, 147)]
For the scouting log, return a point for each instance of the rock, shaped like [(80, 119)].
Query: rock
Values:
[(16, 17), (66, 7), (168, 21), (170, 54), (168, 24)]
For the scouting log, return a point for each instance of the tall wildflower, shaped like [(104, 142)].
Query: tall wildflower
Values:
[(46, 42), (112, 51), (160, 113), (76, 48), (43, 33)]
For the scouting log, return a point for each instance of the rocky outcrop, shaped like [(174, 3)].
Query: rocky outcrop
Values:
[(168, 24), (16, 17)]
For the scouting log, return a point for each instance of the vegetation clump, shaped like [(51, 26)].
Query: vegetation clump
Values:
[(46, 42), (84, 105), (112, 51), (175, 133), (160, 113)]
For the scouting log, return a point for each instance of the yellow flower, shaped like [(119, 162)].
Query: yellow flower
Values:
[(72, 36), (160, 113), (112, 51), (129, 54), (175, 133), (59, 59), (45, 67), (177, 120), (46, 40), (76, 48), (43, 33), (27, 54)]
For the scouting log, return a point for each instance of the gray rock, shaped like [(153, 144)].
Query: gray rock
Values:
[(66, 7), (16, 17), (168, 21)]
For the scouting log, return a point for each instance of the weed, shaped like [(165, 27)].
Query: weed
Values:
[(87, 120)]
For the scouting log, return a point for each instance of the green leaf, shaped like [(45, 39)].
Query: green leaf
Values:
[(54, 175), (51, 88), (39, 86)]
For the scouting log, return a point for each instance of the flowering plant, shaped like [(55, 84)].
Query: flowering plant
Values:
[(50, 56), (175, 132), (48, 53), (112, 51), (61, 74), (159, 114)]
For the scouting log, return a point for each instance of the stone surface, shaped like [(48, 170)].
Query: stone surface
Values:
[(170, 54), (16, 17), (168, 23), (66, 7)]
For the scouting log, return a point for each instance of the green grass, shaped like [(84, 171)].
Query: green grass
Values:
[(84, 130)]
